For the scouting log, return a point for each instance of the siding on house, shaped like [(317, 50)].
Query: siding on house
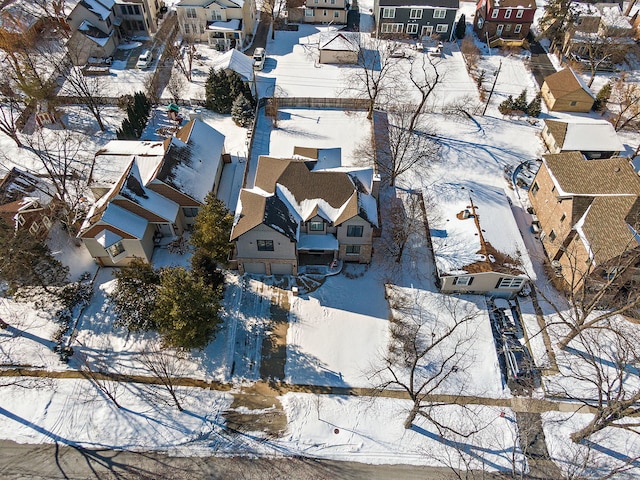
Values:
[(484, 283), (394, 18)]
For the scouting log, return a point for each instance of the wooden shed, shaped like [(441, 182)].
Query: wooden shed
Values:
[(339, 47), (564, 91)]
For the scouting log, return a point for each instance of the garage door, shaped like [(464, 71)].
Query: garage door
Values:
[(254, 267), (281, 268)]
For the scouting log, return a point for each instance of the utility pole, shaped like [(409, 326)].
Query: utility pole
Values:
[(495, 80)]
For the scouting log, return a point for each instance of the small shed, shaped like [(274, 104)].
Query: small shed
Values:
[(564, 91), (339, 47), (593, 138)]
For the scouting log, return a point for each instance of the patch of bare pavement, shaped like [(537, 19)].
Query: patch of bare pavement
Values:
[(53, 462)]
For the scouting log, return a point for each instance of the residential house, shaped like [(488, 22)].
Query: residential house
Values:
[(339, 47), (588, 212), (423, 18), (504, 22), (593, 138), (28, 203), (158, 194), (307, 210), (94, 33), (223, 24), (476, 242), (598, 31), (321, 11), (138, 18), (564, 91)]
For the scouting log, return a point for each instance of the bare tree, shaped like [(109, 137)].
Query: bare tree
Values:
[(274, 9), (183, 56), (430, 338), (11, 106), (374, 79), (404, 216), (624, 103), (166, 366), (97, 372), (90, 90), (600, 49), (176, 87)]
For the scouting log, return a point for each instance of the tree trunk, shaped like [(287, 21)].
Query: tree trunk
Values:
[(175, 400), (412, 416), (568, 337)]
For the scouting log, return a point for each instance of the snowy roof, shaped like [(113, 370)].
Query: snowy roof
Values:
[(256, 207), (325, 157), (124, 220), (236, 61), (514, 3), (94, 33), (473, 230), (585, 135), (612, 16), (339, 41), (231, 25), (317, 242), (101, 8), (106, 238), (192, 160), (115, 156), (421, 3), (18, 185)]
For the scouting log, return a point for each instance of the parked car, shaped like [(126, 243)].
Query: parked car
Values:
[(259, 57), (145, 59)]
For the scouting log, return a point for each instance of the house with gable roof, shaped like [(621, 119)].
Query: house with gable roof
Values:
[(157, 194), (417, 19), (223, 24), (564, 91), (305, 210), (589, 213), (94, 33), (593, 138), (477, 246), (504, 22), (339, 47)]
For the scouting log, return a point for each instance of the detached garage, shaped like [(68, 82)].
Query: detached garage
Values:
[(339, 47)]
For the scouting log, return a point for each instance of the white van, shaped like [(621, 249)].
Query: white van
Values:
[(259, 57), (145, 59)]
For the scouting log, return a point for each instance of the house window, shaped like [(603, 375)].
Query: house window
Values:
[(412, 28), (191, 13), (20, 220), (463, 281), (442, 28), (308, 12), (201, 29), (494, 13), (190, 212), (519, 13), (392, 27), (136, 10), (355, 230), (324, 13), (336, 14), (316, 226), (507, 13), (535, 188), (508, 27), (115, 249), (108, 22), (352, 250), (574, 103), (315, 1), (552, 236), (46, 221), (388, 13), (265, 245), (439, 13), (415, 13), (510, 282), (517, 29), (480, 22), (186, 29), (216, 15), (34, 228), (564, 215), (333, 2)]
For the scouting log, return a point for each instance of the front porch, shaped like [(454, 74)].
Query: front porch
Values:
[(225, 35)]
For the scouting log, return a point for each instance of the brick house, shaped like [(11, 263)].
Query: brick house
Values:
[(497, 21)]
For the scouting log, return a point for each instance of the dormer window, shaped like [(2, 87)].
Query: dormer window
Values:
[(316, 226)]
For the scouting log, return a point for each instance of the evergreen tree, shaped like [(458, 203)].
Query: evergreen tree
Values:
[(126, 131), (242, 111), (138, 111), (535, 106), (212, 229), (134, 297), (218, 92), (602, 97), (461, 27), (206, 268), (187, 309), (506, 107), (27, 261), (520, 103)]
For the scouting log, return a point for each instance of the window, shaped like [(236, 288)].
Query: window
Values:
[(355, 230), (336, 14), (216, 15), (388, 12), (392, 27), (34, 228), (442, 28), (519, 13), (510, 282), (415, 13), (517, 29), (439, 13), (20, 220), (564, 215), (324, 13), (464, 281), (494, 13), (508, 27), (108, 22), (333, 2), (353, 250), (46, 221), (507, 13), (552, 235), (574, 103), (115, 249), (535, 188), (136, 10), (480, 22), (315, 1), (186, 29), (412, 28), (308, 12), (265, 245), (190, 212), (316, 226), (201, 28)]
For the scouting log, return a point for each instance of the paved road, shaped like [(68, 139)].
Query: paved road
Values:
[(62, 462)]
